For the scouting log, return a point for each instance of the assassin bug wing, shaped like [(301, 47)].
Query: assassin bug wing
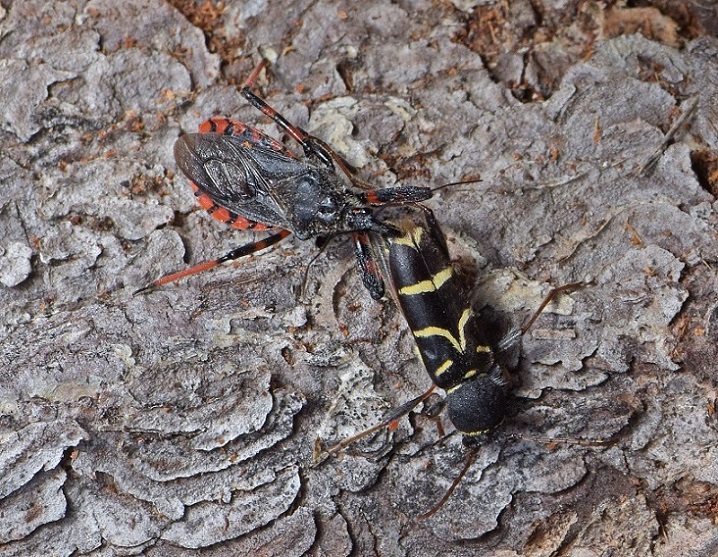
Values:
[(236, 175), (251, 175)]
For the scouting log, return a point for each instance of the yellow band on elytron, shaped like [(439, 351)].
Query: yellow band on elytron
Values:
[(462, 328), (483, 348), (452, 389), (460, 343), (443, 367), (438, 332), (411, 239), (430, 285)]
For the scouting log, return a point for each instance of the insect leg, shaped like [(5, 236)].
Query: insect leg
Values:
[(313, 148), (547, 300), (467, 464), (234, 254), (369, 271), (393, 416)]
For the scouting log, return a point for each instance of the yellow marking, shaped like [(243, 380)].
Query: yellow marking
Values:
[(468, 375), (438, 332), (412, 238), (444, 367), (484, 349), (475, 433), (460, 343), (429, 285), (462, 328)]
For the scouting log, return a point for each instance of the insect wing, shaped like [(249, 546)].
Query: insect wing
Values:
[(237, 173)]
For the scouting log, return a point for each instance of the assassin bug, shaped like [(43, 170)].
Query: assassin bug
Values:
[(466, 354), (251, 181)]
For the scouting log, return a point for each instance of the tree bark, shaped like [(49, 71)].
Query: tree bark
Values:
[(187, 417)]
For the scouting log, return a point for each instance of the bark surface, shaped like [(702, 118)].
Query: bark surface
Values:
[(186, 417)]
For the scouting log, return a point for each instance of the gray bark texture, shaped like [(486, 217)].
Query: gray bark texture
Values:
[(184, 420)]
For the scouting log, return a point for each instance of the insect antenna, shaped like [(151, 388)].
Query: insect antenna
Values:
[(452, 184)]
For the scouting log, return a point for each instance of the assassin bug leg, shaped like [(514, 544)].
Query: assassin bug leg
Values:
[(313, 147), (236, 253)]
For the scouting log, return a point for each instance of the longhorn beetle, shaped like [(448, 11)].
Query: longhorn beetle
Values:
[(465, 354), (456, 346), (251, 181)]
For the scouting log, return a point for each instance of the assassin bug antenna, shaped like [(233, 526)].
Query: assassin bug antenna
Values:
[(452, 184), (250, 181)]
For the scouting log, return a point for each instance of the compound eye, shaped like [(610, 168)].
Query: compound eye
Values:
[(327, 210)]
